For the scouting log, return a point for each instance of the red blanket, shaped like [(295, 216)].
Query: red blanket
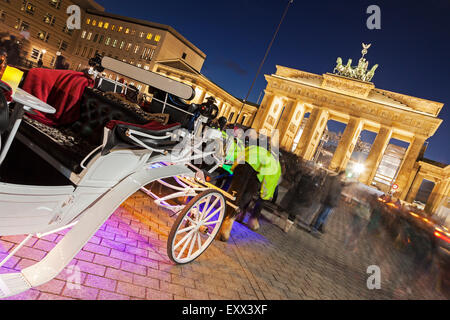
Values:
[(62, 89)]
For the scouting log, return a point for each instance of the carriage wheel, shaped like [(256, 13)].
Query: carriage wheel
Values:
[(196, 227)]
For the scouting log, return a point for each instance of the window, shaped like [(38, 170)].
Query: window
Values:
[(63, 45), (114, 43), (88, 21), (133, 32), (152, 54), (83, 34), (108, 41), (141, 34), (139, 65), (101, 39), (231, 116), (22, 25), (90, 53), (78, 51), (94, 23), (28, 7), (136, 49), (146, 67), (49, 19), (113, 27), (106, 25), (35, 53), (55, 3), (95, 37), (145, 53), (127, 30), (184, 55), (100, 24), (157, 38), (44, 36), (120, 29), (67, 30), (89, 36), (122, 44), (2, 16), (128, 47), (84, 52), (149, 36)]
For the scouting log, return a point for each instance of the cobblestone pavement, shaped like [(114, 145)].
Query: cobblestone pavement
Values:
[(127, 259)]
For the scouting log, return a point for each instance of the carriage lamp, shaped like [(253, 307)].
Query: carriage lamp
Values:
[(12, 76)]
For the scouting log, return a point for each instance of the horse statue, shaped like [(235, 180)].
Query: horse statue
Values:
[(348, 70), (369, 76), (339, 67)]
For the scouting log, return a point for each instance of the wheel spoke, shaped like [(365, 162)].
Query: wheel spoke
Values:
[(210, 208), (190, 220), (185, 230), (183, 240), (199, 241), (192, 246), (204, 207), (211, 223), (186, 244), (213, 214)]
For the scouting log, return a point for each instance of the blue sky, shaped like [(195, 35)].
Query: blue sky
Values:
[(412, 47)]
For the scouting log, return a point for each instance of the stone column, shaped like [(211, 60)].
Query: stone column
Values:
[(440, 190), (347, 144), (312, 133), (288, 135), (202, 97), (404, 174), (286, 117), (376, 155), (414, 188), (263, 111), (221, 109)]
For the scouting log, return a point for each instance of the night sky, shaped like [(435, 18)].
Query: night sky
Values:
[(412, 48)]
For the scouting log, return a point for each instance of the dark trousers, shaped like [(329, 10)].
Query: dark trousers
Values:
[(247, 186)]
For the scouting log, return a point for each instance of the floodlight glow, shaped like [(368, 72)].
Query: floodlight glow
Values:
[(359, 168)]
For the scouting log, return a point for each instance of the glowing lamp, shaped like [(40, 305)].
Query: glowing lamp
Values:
[(359, 168), (12, 76)]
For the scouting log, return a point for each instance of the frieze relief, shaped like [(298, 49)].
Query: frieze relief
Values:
[(315, 96)]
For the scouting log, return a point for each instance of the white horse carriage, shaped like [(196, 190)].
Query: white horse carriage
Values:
[(129, 159)]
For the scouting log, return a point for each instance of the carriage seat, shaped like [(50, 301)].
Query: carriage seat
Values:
[(160, 140), (71, 143)]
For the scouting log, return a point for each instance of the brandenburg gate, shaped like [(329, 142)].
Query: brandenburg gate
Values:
[(347, 96)]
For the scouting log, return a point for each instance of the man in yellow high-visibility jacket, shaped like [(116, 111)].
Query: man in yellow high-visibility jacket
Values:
[(256, 176)]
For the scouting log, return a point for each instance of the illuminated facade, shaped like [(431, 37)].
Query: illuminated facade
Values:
[(41, 27), (291, 94)]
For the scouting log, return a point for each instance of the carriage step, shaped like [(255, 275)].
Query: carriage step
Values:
[(12, 284)]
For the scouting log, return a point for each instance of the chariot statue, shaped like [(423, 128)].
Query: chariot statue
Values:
[(360, 72)]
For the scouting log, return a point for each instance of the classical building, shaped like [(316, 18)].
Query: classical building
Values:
[(156, 47), (348, 96), (41, 26), (230, 106)]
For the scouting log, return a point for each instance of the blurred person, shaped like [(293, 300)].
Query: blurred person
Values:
[(40, 63), (334, 186), (360, 220), (298, 198)]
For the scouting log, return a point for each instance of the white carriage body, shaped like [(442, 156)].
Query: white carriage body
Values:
[(103, 185)]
